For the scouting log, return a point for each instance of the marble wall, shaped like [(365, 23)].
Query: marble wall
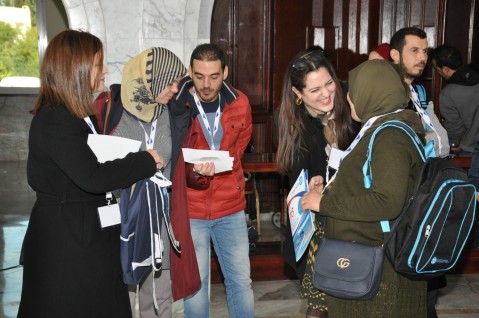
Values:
[(126, 28)]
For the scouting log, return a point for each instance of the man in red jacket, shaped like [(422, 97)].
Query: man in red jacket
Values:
[(221, 118)]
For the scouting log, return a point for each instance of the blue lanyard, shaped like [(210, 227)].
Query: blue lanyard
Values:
[(216, 124), (356, 140), (90, 124), (150, 140), (424, 115)]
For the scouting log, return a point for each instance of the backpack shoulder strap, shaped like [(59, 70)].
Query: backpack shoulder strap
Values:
[(421, 92), (367, 172)]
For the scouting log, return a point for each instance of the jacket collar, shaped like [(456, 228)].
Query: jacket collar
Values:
[(465, 76)]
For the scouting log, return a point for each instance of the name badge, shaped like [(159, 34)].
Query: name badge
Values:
[(109, 215), (335, 158)]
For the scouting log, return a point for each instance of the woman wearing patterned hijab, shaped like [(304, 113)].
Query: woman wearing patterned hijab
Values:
[(149, 81), (354, 212), (147, 75)]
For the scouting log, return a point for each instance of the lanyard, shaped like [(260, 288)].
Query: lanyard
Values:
[(424, 115), (205, 119), (109, 195), (90, 124), (356, 140), (150, 140)]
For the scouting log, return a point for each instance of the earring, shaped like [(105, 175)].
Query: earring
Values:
[(298, 101)]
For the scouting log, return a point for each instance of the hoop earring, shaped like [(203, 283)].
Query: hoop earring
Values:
[(298, 101)]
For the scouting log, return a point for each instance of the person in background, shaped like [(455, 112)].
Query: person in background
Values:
[(313, 118), (381, 52), (459, 99), (409, 49), (353, 212), (139, 107), (221, 117), (71, 265)]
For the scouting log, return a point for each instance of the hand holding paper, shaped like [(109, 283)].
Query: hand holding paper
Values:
[(205, 169), (221, 159)]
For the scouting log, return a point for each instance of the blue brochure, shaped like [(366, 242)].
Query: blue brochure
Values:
[(302, 222)]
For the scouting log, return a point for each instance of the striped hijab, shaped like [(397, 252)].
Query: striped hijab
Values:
[(144, 77)]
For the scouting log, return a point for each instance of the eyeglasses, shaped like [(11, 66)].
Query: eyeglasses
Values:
[(301, 62)]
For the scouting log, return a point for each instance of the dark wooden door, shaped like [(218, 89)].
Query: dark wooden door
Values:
[(261, 36)]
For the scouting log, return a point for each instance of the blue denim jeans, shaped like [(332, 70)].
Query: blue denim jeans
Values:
[(230, 241)]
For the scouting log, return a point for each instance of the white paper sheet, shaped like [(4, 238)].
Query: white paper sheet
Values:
[(108, 147), (222, 160)]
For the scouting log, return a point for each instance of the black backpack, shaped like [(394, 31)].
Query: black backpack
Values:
[(430, 233)]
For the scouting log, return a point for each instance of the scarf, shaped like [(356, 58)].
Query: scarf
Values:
[(145, 76), (376, 88)]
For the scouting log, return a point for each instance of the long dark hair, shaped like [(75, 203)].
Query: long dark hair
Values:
[(292, 117), (66, 72)]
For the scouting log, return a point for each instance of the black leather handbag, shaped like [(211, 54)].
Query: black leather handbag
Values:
[(348, 270)]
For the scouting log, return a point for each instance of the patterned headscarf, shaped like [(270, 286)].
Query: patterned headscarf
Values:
[(144, 77)]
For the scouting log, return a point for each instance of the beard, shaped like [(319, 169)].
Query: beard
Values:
[(409, 73)]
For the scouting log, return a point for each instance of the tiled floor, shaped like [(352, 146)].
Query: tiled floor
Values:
[(459, 299)]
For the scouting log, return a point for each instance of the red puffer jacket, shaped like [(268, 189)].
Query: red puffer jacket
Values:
[(226, 193)]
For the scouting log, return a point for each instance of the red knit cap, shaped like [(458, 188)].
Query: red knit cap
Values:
[(383, 50)]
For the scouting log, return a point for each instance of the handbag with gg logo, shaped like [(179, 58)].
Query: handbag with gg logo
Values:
[(348, 270)]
